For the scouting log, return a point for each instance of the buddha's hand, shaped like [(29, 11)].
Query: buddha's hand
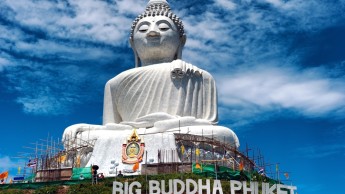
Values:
[(180, 69)]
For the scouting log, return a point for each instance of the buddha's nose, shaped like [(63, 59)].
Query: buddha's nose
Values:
[(153, 31)]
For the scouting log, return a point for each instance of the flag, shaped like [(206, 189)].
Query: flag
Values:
[(78, 161), (241, 165), (182, 149), (62, 158), (261, 171), (277, 168), (4, 175), (19, 170), (197, 165), (136, 166), (286, 175), (197, 152), (32, 163)]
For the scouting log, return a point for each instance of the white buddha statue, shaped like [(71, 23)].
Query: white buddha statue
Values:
[(162, 93), (161, 86)]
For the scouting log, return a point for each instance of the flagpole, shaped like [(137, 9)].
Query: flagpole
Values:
[(146, 171), (277, 171), (36, 161), (203, 147)]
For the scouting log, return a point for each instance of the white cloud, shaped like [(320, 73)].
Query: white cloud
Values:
[(261, 90), (78, 19), (254, 32), (225, 4), (263, 74), (3, 63), (47, 104), (10, 35), (207, 26), (48, 90), (133, 7), (63, 50), (310, 14)]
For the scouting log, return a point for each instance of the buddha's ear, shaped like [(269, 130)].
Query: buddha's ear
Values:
[(136, 56), (183, 40)]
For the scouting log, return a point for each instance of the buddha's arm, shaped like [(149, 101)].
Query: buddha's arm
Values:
[(110, 112), (210, 98)]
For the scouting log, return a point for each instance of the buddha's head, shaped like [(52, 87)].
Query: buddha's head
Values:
[(157, 35)]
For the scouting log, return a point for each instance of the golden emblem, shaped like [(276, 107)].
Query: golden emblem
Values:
[(133, 149)]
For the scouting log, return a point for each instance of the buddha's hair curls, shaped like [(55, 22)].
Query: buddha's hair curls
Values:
[(159, 9)]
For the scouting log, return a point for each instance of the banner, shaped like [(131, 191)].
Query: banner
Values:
[(18, 178), (81, 173)]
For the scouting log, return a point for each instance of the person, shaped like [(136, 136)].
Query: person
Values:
[(120, 174)]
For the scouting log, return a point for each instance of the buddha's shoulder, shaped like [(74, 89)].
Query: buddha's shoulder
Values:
[(125, 75), (161, 68)]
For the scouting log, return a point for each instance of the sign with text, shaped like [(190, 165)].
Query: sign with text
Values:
[(190, 186)]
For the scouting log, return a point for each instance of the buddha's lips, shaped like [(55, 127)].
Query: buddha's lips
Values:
[(153, 38)]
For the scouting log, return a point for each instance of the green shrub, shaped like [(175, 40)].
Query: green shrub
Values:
[(100, 188), (47, 190), (13, 191)]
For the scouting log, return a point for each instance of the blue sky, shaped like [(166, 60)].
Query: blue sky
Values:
[(279, 67)]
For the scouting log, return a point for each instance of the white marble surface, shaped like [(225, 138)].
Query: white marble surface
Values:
[(157, 97), (108, 147), (136, 93)]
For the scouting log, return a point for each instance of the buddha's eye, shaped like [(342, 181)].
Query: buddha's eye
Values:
[(163, 27), (143, 28)]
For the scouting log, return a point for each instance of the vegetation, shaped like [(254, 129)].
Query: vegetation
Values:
[(104, 186), (47, 190), (14, 191)]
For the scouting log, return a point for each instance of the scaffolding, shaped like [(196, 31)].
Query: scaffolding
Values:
[(195, 149), (53, 160)]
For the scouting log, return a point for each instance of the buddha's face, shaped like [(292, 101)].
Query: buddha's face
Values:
[(156, 39)]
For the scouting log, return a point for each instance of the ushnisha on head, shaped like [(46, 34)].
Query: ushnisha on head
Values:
[(157, 35)]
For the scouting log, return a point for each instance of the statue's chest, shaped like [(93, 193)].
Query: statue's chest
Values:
[(156, 88)]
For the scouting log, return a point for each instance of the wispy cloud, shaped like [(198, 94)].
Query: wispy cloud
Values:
[(6, 163), (339, 131), (249, 46), (225, 4), (254, 31), (264, 90), (90, 20), (53, 49), (53, 90), (3, 63), (322, 151)]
